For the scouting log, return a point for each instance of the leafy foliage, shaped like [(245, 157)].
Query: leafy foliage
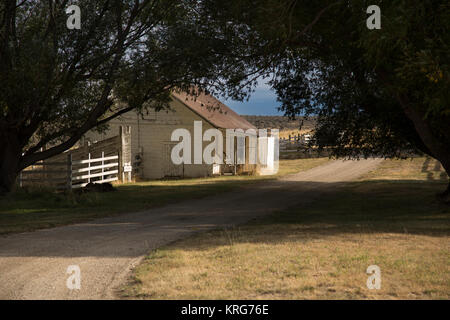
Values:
[(379, 92), (363, 85), (57, 83)]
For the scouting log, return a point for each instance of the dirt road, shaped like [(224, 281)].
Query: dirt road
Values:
[(34, 265)]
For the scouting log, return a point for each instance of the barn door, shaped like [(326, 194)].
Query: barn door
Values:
[(171, 169)]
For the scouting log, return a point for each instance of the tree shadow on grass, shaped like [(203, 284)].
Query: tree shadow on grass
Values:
[(363, 208), (279, 210)]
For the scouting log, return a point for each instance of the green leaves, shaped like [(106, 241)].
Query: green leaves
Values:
[(327, 63)]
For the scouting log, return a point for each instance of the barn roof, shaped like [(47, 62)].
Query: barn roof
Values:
[(212, 110)]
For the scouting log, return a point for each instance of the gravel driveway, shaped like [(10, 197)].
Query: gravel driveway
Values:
[(33, 265)]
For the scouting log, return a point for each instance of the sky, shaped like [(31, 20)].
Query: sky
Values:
[(262, 102)]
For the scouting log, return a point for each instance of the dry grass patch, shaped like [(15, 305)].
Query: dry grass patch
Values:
[(284, 134), (301, 268), (290, 166), (318, 251), (422, 168)]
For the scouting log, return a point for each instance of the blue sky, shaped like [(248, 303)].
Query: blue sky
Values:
[(263, 102)]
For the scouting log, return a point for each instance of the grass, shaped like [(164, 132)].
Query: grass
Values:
[(418, 169), (27, 210), (320, 250)]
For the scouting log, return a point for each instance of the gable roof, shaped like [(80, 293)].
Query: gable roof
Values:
[(212, 110)]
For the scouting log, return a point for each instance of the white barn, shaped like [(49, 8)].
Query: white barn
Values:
[(151, 143)]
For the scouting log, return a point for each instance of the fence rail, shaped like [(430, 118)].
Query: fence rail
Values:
[(91, 172), (95, 160), (76, 173), (45, 175)]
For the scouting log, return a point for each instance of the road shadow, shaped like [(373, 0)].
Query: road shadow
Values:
[(368, 208), (312, 209)]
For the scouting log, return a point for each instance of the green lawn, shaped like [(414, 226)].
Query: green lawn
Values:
[(320, 250), (26, 210)]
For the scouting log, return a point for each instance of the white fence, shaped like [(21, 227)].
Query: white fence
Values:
[(72, 174), (293, 143), (98, 170)]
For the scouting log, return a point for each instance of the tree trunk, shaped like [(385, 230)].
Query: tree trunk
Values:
[(9, 164), (438, 148), (445, 196)]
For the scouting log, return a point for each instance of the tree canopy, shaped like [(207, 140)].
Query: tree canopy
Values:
[(374, 91), (57, 83), (382, 92)]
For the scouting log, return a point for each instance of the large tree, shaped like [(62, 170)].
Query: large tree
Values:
[(57, 83), (378, 92), (382, 92)]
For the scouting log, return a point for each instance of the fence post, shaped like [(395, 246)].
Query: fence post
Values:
[(124, 154), (103, 165), (69, 172), (89, 168), (120, 162)]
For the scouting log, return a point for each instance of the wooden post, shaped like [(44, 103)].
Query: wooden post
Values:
[(120, 173), (89, 168), (103, 164), (125, 166), (235, 155), (69, 172)]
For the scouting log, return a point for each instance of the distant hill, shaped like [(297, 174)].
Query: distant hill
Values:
[(281, 123)]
